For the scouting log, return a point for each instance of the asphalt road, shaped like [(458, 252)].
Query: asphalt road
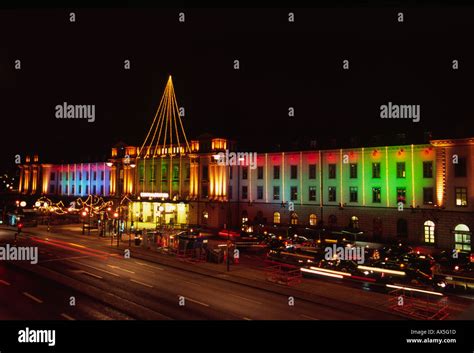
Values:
[(108, 286)]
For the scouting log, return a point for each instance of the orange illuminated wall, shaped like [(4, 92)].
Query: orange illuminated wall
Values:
[(218, 144), (128, 177), (194, 146), (113, 180), (440, 175), (46, 171), (20, 185), (217, 181), (26, 181), (194, 177)]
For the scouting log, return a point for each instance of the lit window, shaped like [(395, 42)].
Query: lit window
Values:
[(353, 170), (353, 194), (312, 193), (354, 222), (276, 217), (376, 195), (461, 197), (401, 173), (429, 232), (376, 170), (294, 218), (462, 237), (313, 219), (401, 195)]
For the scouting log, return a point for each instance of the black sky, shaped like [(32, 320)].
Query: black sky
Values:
[(282, 65)]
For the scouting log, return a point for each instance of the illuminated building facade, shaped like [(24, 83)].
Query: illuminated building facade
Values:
[(79, 179), (423, 193), (420, 193)]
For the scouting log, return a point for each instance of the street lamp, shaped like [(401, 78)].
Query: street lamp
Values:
[(117, 221), (161, 210), (84, 214)]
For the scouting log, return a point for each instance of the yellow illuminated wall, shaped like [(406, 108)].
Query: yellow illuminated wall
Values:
[(217, 181), (194, 178), (46, 171)]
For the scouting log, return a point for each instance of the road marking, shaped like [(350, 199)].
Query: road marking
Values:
[(119, 268), (247, 299), (91, 274), (246, 318), (66, 259), (4, 282), (143, 284), (308, 317), (32, 297), (197, 302), (142, 264), (79, 246), (95, 268), (66, 316), (196, 284)]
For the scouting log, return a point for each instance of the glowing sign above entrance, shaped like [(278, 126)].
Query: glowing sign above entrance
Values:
[(155, 195)]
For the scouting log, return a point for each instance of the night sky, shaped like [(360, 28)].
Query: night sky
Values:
[(282, 65)]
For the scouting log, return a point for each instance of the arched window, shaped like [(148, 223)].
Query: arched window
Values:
[(245, 217), (377, 228), (462, 237), (276, 217), (402, 228), (429, 232), (354, 222), (294, 218), (313, 219), (205, 217)]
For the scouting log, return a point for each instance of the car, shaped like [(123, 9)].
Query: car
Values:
[(461, 262), (298, 239), (293, 256), (274, 241), (394, 251), (417, 261)]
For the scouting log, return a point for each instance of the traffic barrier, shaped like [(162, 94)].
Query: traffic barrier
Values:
[(434, 306), (283, 274)]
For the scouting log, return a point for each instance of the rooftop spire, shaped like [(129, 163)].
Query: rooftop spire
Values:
[(166, 135)]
